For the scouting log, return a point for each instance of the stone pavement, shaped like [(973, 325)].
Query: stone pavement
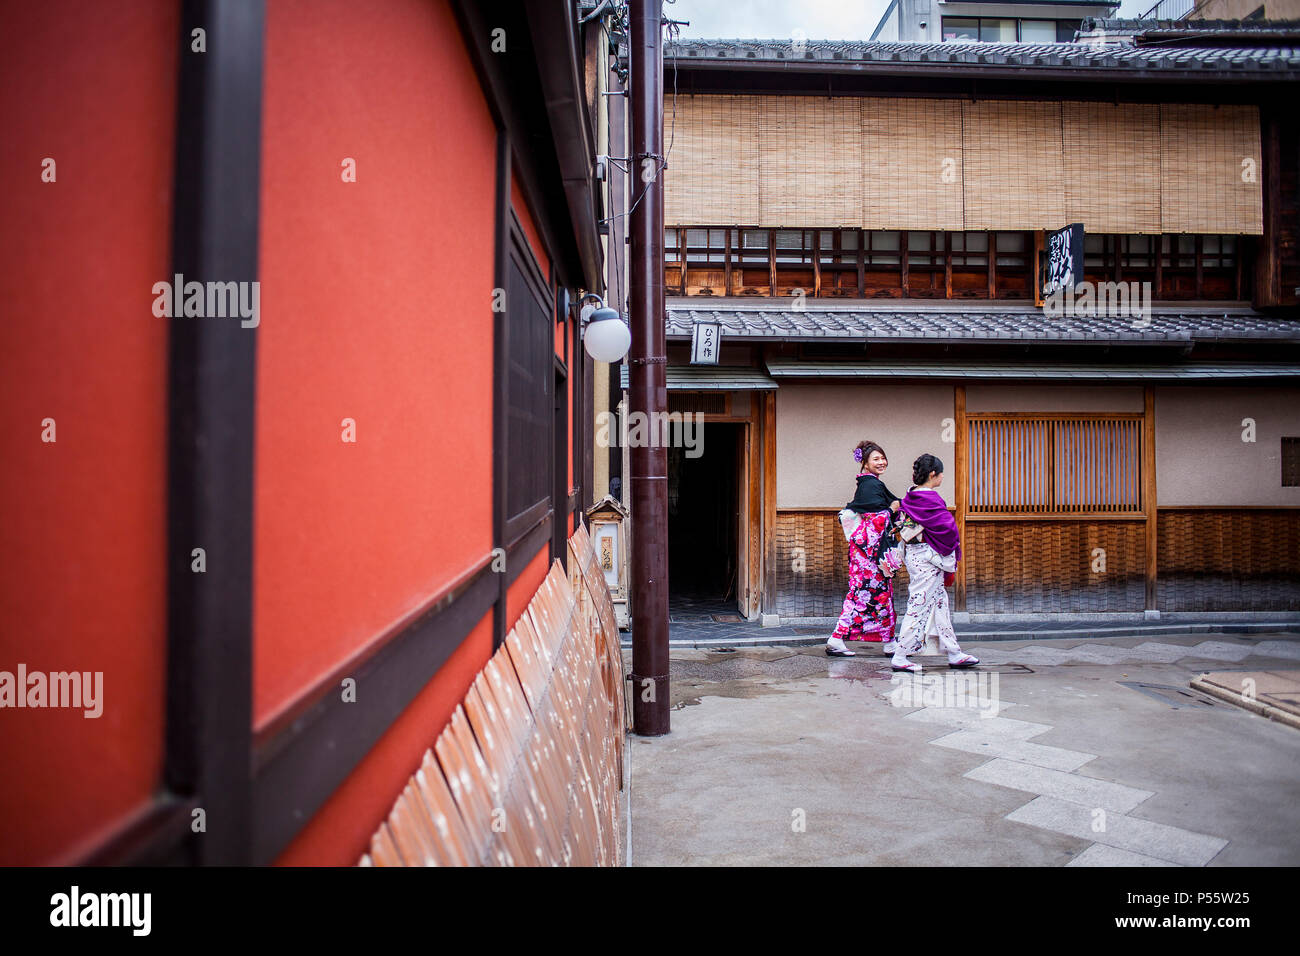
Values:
[(1273, 694), (1051, 753)]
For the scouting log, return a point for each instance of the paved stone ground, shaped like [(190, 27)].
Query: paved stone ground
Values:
[(1051, 753)]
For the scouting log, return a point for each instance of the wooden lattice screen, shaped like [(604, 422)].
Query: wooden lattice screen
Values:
[(1043, 465)]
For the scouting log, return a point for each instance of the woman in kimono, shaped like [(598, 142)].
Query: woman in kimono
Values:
[(868, 613), (931, 561)]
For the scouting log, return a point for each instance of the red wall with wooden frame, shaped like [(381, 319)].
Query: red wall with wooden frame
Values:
[(374, 297), (83, 528)]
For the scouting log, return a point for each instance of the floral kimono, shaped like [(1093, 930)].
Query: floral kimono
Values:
[(868, 613)]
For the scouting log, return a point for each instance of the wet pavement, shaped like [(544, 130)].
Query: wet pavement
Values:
[(1051, 753)]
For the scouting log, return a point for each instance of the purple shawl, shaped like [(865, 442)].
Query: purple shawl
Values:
[(926, 508)]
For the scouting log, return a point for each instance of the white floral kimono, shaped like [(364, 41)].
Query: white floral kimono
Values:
[(927, 601)]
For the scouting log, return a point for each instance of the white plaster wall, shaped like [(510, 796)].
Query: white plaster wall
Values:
[(1054, 398), (1201, 458), (818, 424)]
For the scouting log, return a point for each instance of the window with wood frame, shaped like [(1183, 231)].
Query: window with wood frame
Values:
[(1029, 464), (934, 264), (529, 386)]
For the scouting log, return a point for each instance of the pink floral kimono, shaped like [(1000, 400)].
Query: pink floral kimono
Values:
[(868, 613)]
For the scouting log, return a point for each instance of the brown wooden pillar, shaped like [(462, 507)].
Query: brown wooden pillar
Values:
[(1268, 256), (962, 468), (768, 401), (1149, 492)]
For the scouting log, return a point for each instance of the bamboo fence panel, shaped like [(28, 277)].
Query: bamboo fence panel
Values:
[(1112, 167), (528, 770)]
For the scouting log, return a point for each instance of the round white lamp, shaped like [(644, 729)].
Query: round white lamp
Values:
[(607, 336)]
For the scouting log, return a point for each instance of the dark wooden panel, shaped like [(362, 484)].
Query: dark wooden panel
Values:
[(1045, 567), (1226, 560)]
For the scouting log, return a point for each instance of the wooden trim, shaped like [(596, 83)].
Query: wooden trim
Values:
[(768, 405), (305, 756), (1149, 501), (862, 264), (1055, 516), (754, 440), (960, 491), (947, 265), (771, 262), (726, 263), (526, 547), (500, 373), (902, 258), (525, 521), (991, 245), (1057, 416), (212, 379), (1229, 508), (817, 262), (158, 836)]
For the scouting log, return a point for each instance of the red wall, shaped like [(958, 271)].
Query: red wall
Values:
[(376, 307), (83, 525)]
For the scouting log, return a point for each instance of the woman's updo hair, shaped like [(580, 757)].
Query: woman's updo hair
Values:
[(862, 451), (922, 467)]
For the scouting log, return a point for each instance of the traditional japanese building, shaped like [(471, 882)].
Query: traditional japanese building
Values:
[(866, 225)]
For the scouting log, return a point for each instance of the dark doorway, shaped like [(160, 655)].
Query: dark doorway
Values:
[(703, 524)]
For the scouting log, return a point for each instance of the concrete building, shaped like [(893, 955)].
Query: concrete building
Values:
[(1008, 21)]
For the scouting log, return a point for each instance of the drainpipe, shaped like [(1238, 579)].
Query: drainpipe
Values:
[(647, 374)]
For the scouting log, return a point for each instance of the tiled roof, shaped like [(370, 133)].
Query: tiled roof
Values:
[(1271, 62), (973, 324), (1006, 371), (1129, 25)]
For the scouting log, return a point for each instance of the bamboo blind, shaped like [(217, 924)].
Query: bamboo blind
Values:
[(908, 145), (1112, 167), (1014, 165), (1027, 465), (1202, 149), (810, 151), (713, 169), (878, 163)]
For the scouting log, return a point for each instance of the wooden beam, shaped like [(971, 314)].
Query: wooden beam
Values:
[(817, 262), (962, 468), (947, 265), (769, 503), (771, 263), (1149, 502), (862, 269), (1268, 257), (753, 438), (212, 372), (726, 265), (902, 257), (992, 246)]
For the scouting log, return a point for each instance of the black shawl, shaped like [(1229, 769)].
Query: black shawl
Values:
[(872, 496)]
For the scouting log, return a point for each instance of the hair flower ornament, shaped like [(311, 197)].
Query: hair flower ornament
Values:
[(857, 454)]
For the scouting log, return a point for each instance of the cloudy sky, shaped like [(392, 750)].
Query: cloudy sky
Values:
[(818, 19)]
